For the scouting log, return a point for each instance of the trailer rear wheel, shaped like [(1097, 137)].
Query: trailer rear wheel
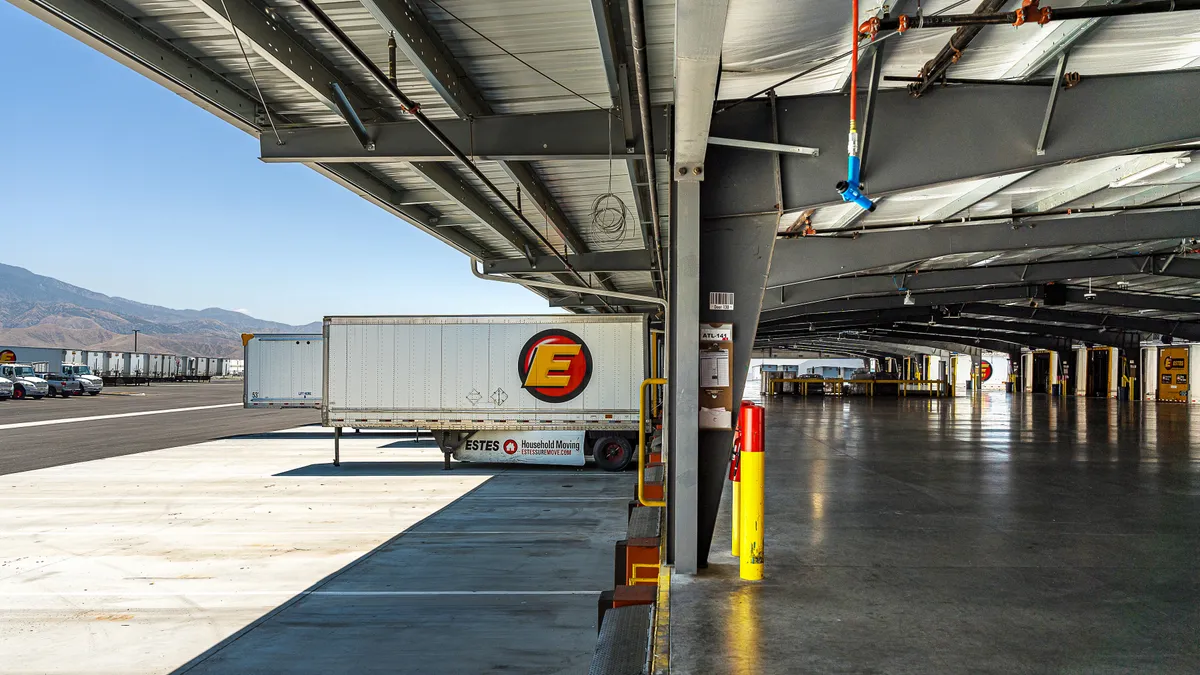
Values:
[(612, 453)]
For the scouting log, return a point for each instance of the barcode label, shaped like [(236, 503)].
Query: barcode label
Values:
[(720, 301)]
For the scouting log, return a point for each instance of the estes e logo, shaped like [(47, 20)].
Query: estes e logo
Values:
[(555, 366)]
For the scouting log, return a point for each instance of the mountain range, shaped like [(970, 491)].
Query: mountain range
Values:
[(39, 311)]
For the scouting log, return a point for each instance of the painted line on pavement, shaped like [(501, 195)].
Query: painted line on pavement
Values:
[(43, 423)]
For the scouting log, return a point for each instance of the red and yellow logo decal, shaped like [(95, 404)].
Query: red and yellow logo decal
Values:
[(985, 371), (555, 366), (7, 356)]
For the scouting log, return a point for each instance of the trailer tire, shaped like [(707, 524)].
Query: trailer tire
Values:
[(612, 453)]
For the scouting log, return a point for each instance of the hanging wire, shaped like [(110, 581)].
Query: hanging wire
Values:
[(263, 101), (609, 215), (522, 61)]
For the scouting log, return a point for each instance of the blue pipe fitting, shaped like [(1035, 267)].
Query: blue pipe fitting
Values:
[(851, 188)]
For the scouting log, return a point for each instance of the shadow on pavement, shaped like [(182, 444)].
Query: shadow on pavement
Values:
[(390, 469)]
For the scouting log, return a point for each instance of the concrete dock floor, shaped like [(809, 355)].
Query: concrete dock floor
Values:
[(1008, 535), (255, 555)]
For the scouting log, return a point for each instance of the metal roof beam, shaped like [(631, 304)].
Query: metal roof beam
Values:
[(1096, 182), (811, 258), (861, 317), (971, 277), (638, 260), (893, 341), (1053, 41), (586, 301), (967, 336), (569, 135), (947, 340), (1113, 338), (1162, 303), (1184, 329), (699, 33), (425, 49), (869, 348), (896, 301), (456, 188), (614, 55), (964, 132), (129, 43), (272, 39), (963, 202)]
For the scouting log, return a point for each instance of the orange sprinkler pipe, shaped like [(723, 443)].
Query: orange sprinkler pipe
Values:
[(854, 66), (851, 189)]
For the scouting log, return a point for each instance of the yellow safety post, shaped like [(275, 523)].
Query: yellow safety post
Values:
[(737, 515), (735, 477), (641, 493), (752, 493)]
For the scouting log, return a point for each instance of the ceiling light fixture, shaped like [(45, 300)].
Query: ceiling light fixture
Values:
[(1146, 173), (1090, 295), (908, 298)]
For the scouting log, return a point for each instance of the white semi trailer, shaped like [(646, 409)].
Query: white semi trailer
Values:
[(282, 370), (528, 389)]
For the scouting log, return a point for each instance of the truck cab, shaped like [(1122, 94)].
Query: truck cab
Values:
[(62, 385), (26, 384), (82, 373)]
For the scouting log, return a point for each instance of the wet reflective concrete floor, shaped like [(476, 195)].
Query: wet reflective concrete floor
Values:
[(1002, 535)]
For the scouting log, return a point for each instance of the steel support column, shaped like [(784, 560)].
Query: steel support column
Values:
[(735, 256), (684, 411)]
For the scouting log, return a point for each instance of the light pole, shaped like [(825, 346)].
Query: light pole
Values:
[(135, 334)]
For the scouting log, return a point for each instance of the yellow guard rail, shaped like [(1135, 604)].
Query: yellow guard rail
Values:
[(641, 493)]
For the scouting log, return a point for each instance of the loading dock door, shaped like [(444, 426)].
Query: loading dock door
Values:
[(1041, 373), (1173, 374), (1098, 371)]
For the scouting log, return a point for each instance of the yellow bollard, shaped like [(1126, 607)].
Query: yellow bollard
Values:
[(751, 535), (751, 496), (737, 515)]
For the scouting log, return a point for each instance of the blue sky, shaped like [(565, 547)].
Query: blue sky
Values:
[(113, 183)]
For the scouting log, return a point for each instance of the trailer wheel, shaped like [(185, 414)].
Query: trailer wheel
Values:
[(612, 453)]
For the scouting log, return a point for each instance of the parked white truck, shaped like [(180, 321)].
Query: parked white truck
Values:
[(283, 370), (26, 383), (70, 362), (527, 389)]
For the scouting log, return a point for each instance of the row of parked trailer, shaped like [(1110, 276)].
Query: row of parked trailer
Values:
[(121, 367)]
